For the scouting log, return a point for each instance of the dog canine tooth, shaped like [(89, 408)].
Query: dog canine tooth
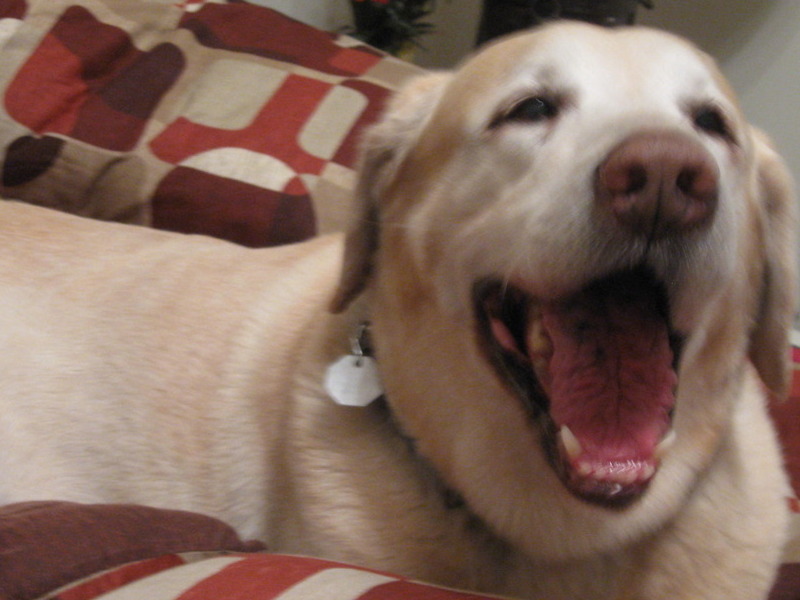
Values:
[(571, 444), (665, 444)]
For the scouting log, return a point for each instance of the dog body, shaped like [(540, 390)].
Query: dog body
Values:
[(573, 211)]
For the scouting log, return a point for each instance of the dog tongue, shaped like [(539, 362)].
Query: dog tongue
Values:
[(610, 378)]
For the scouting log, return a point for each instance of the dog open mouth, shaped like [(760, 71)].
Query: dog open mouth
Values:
[(596, 370)]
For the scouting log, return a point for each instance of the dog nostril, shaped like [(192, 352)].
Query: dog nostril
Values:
[(686, 179), (697, 182), (637, 179), (624, 179)]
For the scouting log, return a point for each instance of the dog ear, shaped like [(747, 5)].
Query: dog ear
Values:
[(769, 341), (383, 149)]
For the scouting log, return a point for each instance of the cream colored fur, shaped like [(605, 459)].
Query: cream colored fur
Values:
[(184, 372)]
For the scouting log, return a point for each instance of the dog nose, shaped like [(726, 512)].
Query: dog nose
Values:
[(658, 184)]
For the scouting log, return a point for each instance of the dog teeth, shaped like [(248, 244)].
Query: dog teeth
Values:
[(616, 473), (647, 472), (539, 343), (626, 476), (571, 444), (665, 444)]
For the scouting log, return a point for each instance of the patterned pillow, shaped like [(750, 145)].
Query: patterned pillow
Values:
[(227, 119), (254, 577), (68, 551), (44, 545)]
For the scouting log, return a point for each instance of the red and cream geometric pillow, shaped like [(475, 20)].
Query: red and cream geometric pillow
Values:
[(227, 119)]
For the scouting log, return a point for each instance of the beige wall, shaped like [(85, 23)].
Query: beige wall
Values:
[(456, 28), (330, 15)]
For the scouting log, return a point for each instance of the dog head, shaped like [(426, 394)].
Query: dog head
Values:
[(575, 247)]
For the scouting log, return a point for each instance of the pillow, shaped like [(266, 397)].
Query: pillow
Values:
[(227, 119), (254, 577), (786, 414), (787, 586), (70, 551), (48, 544)]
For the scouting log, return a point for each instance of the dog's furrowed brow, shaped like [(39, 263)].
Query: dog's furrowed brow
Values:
[(546, 77)]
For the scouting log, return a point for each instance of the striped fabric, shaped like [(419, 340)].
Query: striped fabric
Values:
[(205, 576)]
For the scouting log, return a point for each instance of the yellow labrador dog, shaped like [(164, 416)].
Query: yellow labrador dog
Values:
[(570, 283)]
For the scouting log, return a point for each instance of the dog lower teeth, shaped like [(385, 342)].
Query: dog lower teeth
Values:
[(624, 473)]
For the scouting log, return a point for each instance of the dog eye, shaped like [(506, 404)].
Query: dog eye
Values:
[(531, 110), (710, 120)]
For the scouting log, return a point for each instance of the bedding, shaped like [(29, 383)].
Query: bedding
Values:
[(211, 117), (215, 576), (226, 119), (68, 551), (44, 545)]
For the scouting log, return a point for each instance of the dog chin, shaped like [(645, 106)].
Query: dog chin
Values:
[(596, 371)]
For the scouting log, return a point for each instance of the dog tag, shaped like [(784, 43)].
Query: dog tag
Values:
[(353, 381)]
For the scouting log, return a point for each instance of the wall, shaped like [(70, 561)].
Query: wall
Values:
[(330, 15)]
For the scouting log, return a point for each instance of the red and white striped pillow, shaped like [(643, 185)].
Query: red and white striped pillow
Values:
[(221, 576)]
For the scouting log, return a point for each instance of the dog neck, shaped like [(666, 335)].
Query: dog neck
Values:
[(352, 380), (451, 498)]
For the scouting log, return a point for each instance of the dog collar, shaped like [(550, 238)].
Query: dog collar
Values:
[(353, 379)]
